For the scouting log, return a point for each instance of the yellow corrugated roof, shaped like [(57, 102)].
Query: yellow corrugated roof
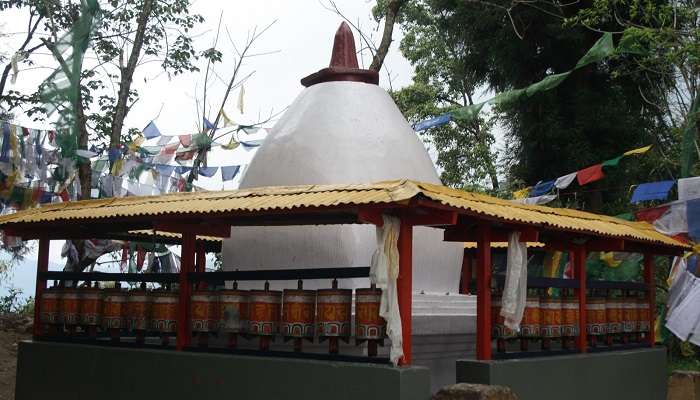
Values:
[(151, 232), (503, 245), (260, 200)]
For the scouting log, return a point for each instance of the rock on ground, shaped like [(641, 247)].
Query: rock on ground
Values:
[(471, 391), (684, 385)]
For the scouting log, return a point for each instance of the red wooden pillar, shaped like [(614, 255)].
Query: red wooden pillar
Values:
[(651, 295), (579, 258), (201, 264), (466, 271), (483, 292), (404, 286), (42, 265), (184, 331)]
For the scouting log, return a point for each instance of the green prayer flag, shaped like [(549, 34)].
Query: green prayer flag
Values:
[(626, 216), (613, 162), (201, 141), (547, 83), (468, 113), (602, 49), (508, 97)]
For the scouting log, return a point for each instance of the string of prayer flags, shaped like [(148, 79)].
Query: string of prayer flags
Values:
[(652, 191), (151, 131), (590, 174), (563, 182), (208, 171), (536, 200), (541, 188), (229, 172)]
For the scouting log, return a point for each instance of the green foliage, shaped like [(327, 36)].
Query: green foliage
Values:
[(12, 303)]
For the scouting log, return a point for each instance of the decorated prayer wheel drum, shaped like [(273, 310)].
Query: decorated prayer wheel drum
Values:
[(569, 316), (500, 331), (114, 309), (164, 311), (551, 317), (50, 306), (532, 318), (205, 314), (233, 311), (70, 306), (630, 314), (90, 306), (643, 315), (368, 324), (596, 322), (138, 310), (333, 312), (265, 312), (298, 312), (613, 315)]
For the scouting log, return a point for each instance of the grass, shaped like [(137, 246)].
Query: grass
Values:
[(684, 364)]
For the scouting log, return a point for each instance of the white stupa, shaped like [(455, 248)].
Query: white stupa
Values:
[(344, 128)]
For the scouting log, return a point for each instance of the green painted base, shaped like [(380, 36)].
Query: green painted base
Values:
[(60, 371), (616, 375)]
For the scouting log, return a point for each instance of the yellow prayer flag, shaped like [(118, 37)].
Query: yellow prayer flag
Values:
[(227, 121), (640, 150), (232, 144), (522, 193), (241, 94), (117, 167), (134, 146), (608, 257)]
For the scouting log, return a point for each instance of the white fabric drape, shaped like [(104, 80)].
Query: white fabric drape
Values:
[(383, 272), (515, 290)]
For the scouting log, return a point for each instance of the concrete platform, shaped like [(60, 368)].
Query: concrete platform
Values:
[(61, 371), (615, 375)]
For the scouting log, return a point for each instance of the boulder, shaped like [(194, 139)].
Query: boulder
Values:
[(684, 385), (472, 391)]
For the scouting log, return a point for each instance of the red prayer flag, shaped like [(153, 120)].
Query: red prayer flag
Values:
[(170, 149), (64, 195), (140, 257), (590, 174), (186, 140), (650, 214), (185, 155)]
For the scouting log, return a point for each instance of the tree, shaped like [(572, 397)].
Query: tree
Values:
[(460, 47)]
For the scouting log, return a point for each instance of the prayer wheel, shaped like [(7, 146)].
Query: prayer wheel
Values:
[(334, 312), (265, 314), (233, 313), (114, 311), (164, 306), (70, 308), (90, 308), (630, 317), (298, 314), (613, 315), (369, 325), (596, 323), (530, 325), (551, 315), (49, 316), (569, 320), (500, 332), (643, 315), (205, 314), (138, 312)]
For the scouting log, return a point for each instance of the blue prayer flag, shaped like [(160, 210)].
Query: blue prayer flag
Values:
[(114, 154), (250, 144), (230, 172), (151, 131), (652, 191), (208, 171), (164, 169), (207, 124), (541, 188), (429, 123), (693, 214), (181, 169), (5, 151)]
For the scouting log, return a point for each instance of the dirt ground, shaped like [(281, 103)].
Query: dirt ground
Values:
[(8, 360)]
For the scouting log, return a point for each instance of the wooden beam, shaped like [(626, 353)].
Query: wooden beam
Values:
[(404, 286), (579, 258), (371, 216), (221, 231), (184, 332), (651, 295), (434, 218), (458, 234), (605, 244), (483, 292), (42, 265)]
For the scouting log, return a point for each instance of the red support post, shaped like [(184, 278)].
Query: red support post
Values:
[(201, 263), (483, 292), (466, 271), (651, 295), (184, 331), (579, 259), (42, 265), (404, 286)]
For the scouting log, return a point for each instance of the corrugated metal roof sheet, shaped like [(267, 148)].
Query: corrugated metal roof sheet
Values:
[(503, 245), (307, 196)]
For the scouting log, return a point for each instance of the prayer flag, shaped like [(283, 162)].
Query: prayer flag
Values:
[(229, 172), (650, 214), (651, 191), (693, 210), (207, 125), (537, 200), (522, 193), (563, 182), (113, 154), (170, 149), (433, 122), (640, 150), (151, 130), (250, 144), (541, 188), (232, 144), (181, 169), (5, 151), (590, 174), (613, 162), (689, 188), (85, 153), (227, 121), (185, 155), (163, 140), (208, 171), (241, 95), (185, 140)]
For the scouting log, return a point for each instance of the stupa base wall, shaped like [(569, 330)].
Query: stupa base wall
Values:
[(61, 371), (616, 375)]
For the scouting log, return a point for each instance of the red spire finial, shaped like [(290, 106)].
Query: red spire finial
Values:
[(344, 54), (343, 65)]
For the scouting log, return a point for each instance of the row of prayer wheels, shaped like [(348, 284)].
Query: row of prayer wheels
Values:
[(295, 314), (547, 318)]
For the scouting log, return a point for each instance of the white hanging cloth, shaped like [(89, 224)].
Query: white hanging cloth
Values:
[(515, 290), (684, 319), (384, 271)]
